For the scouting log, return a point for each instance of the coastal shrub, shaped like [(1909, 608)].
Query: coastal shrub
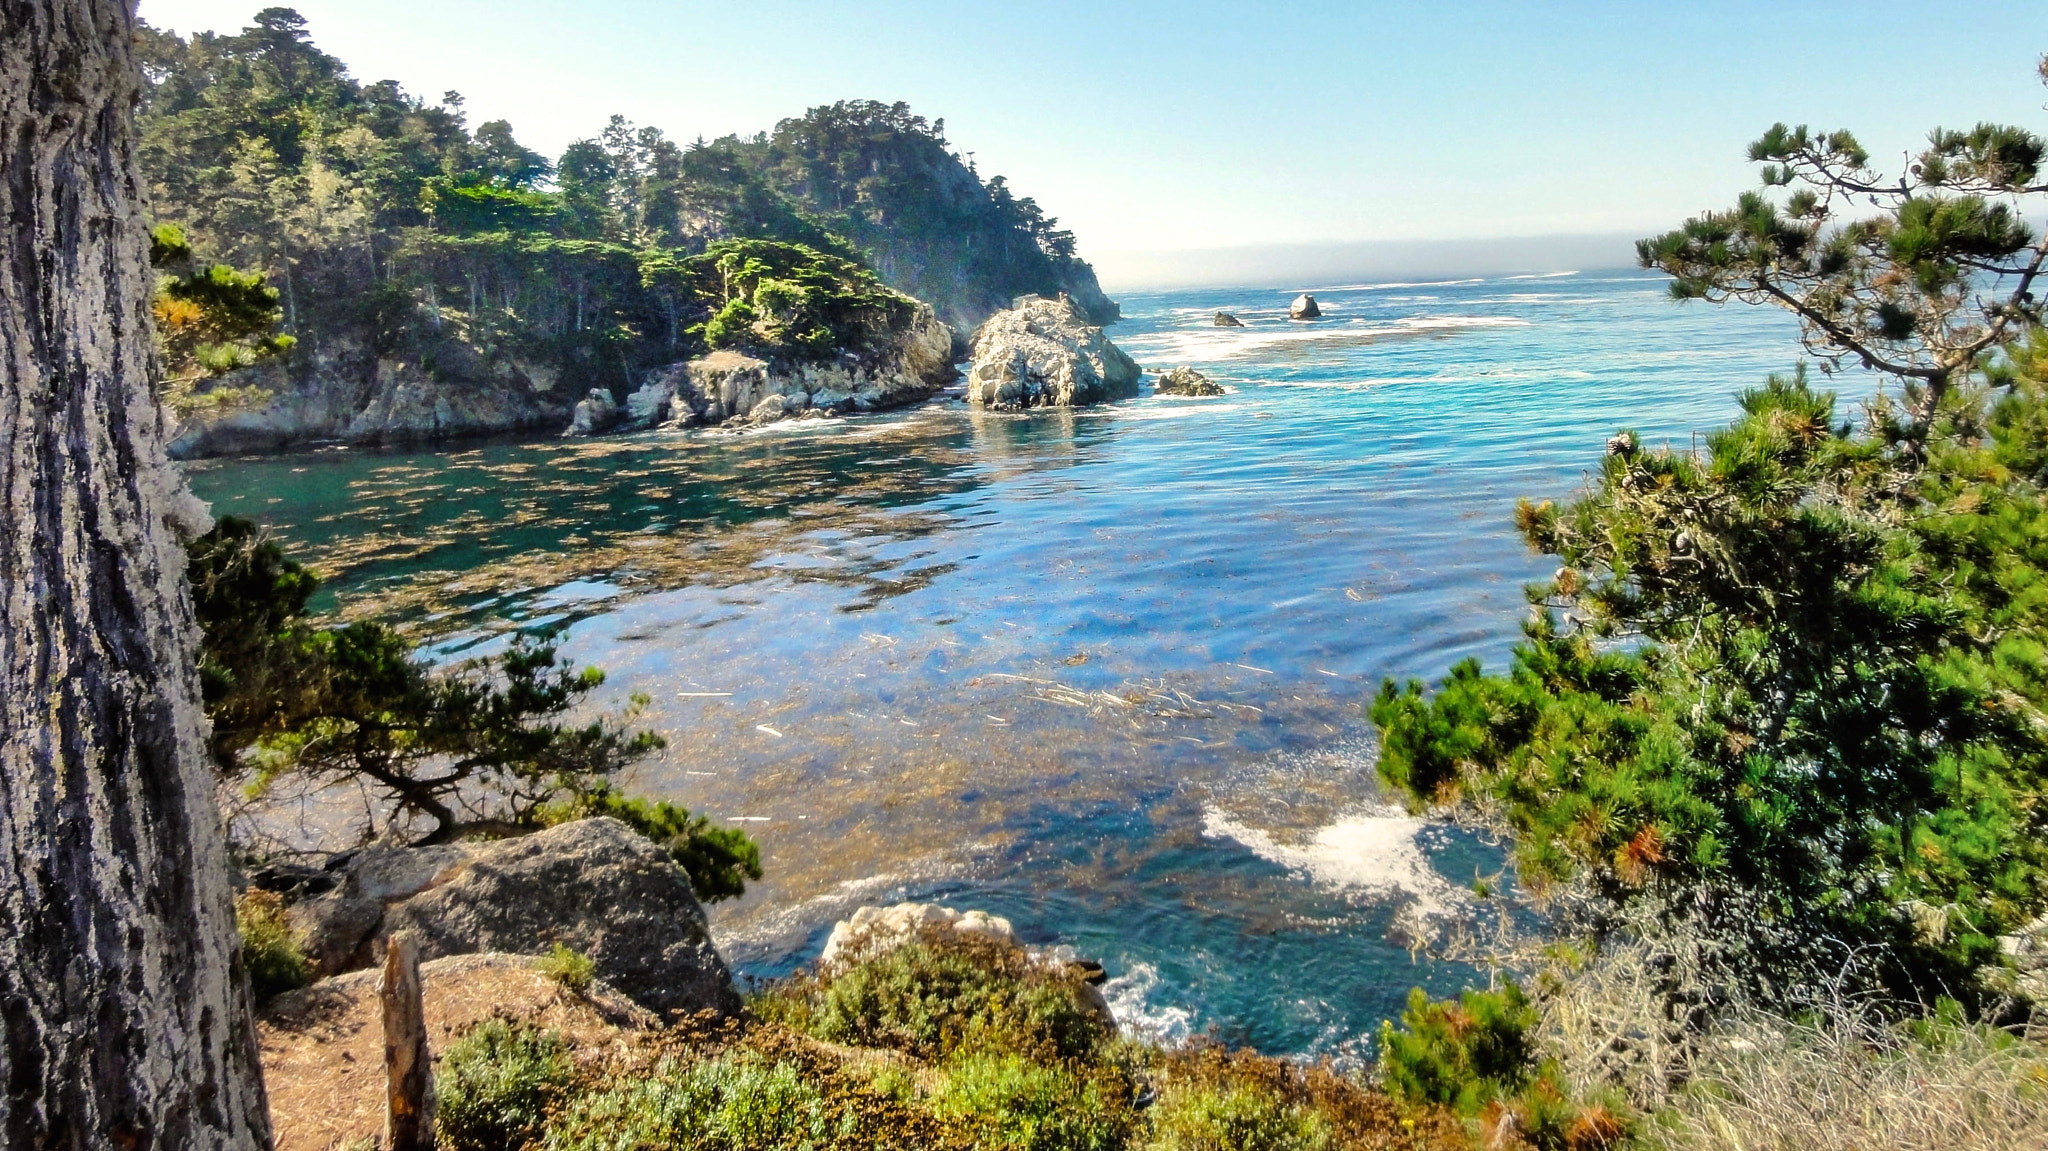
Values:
[(496, 1084), (1029, 1106), (734, 1103), (1459, 1053), (943, 992), (270, 948), (1234, 1117), (568, 967), (718, 860)]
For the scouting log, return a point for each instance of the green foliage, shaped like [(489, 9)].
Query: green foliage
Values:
[(569, 968), (791, 298), (1033, 1106), (270, 948), (210, 319), (1829, 695), (943, 993), (737, 1103), (496, 1084), (480, 745), (1461, 1053), (1938, 275), (718, 860), (474, 202), (1235, 1116)]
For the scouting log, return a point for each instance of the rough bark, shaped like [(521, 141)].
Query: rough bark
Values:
[(124, 1015), (408, 1068)]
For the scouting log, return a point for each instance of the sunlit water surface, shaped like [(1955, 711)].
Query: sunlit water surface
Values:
[(1101, 672)]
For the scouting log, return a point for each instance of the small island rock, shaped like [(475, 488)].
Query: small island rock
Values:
[(1304, 308), (1226, 320), (1187, 382), (1044, 353)]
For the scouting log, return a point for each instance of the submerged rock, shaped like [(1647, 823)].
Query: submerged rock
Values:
[(1304, 308), (1226, 320), (595, 413), (1186, 381), (1044, 353), (594, 885)]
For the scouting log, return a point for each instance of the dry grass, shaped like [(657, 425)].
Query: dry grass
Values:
[(1761, 1084), (323, 1047)]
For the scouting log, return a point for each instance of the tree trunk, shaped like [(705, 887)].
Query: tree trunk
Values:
[(408, 1068), (124, 1012)]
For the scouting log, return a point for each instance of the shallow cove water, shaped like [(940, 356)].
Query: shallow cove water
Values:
[(1102, 672)]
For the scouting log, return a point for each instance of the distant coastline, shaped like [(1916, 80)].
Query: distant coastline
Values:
[(1293, 266)]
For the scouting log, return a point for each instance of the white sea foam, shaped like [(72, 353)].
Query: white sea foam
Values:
[(1133, 999), (1375, 850), (1241, 343), (1544, 275)]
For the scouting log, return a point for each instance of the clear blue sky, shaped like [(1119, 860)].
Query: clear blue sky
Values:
[(1152, 128)]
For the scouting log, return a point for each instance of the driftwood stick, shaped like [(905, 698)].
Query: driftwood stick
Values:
[(408, 1068)]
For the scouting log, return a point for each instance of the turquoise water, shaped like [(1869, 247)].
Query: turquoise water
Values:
[(1100, 672)]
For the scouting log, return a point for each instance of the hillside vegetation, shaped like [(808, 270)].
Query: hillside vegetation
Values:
[(394, 233)]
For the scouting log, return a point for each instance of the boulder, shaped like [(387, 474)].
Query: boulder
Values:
[(648, 405), (876, 930), (1044, 353), (594, 885), (1187, 382), (1226, 320), (594, 413), (1304, 308)]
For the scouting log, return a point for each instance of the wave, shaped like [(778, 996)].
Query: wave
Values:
[(1395, 284), (1130, 997), (1544, 275), (1377, 850)]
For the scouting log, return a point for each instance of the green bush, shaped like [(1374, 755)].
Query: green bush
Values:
[(736, 1103), (945, 992), (718, 860), (270, 949), (496, 1084), (1030, 1106), (568, 967), (1461, 1053), (1234, 1117)]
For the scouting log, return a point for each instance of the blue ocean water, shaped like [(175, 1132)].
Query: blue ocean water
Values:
[(1102, 672)]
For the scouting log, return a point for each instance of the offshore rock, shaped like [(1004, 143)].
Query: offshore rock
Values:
[(731, 387), (594, 885), (1304, 308), (1226, 320), (1187, 382), (1044, 353), (594, 413)]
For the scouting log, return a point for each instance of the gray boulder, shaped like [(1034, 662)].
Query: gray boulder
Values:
[(1187, 382), (594, 413), (1044, 353), (1304, 308), (1226, 320), (594, 885)]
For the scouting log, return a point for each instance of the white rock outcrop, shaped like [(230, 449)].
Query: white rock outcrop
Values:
[(1044, 353), (876, 930), (1304, 307)]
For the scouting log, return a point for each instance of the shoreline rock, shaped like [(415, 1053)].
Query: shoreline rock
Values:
[(1044, 353), (1304, 307), (593, 884), (1226, 320), (871, 932)]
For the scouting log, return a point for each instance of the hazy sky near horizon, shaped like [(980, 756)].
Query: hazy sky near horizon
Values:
[(1154, 128)]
